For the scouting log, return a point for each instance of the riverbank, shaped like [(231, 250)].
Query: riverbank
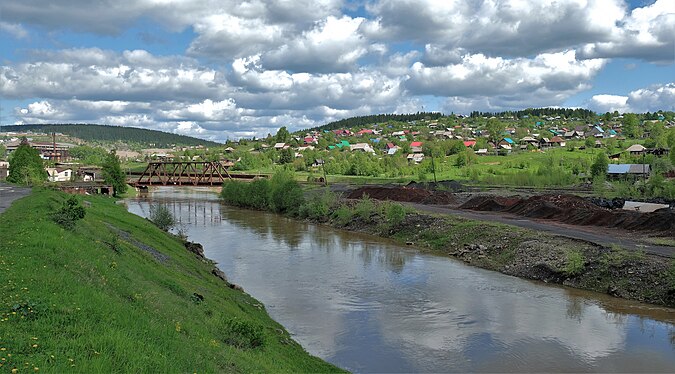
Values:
[(516, 251), (118, 294)]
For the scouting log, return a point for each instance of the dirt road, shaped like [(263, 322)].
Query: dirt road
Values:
[(599, 235), (9, 193)]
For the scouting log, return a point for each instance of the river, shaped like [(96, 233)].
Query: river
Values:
[(369, 305)]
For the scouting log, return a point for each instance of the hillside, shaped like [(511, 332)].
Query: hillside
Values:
[(105, 133), (367, 120), (119, 295)]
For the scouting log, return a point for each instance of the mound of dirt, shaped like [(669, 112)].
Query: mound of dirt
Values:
[(403, 194), (576, 211), (453, 186)]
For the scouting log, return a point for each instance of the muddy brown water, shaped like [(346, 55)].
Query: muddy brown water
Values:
[(368, 305)]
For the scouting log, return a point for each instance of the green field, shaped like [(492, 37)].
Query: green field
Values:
[(96, 299)]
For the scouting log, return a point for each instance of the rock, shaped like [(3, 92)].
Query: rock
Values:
[(219, 273), (236, 287), (482, 247), (195, 248), (612, 290)]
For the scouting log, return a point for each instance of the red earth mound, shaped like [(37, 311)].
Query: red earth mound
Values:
[(403, 194), (575, 210)]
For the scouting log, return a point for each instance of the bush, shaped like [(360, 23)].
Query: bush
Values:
[(162, 217), (365, 208), (69, 214), (342, 215), (575, 263), (243, 334), (395, 214), (318, 206), (286, 195)]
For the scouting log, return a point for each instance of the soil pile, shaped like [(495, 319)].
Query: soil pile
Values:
[(576, 211), (451, 185), (403, 194)]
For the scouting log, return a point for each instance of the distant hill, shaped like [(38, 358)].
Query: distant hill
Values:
[(377, 118), (105, 133)]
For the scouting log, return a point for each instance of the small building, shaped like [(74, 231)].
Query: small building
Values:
[(628, 170), (363, 147), (482, 152), (59, 174), (636, 149), (279, 146), (557, 141), (416, 147), (415, 157)]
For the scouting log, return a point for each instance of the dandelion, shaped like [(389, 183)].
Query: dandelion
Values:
[(35, 345), (15, 370)]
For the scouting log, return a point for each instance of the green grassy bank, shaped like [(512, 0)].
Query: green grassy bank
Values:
[(117, 294)]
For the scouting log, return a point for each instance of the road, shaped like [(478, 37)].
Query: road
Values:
[(599, 235), (9, 193)]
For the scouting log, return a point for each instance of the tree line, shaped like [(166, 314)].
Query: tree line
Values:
[(376, 118)]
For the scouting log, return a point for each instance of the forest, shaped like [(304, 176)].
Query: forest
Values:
[(106, 133)]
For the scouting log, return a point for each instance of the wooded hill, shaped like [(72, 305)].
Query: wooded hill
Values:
[(377, 118), (105, 133)]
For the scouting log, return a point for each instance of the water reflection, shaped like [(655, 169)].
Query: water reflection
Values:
[(371, 306)]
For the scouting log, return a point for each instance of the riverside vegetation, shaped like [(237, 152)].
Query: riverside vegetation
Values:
[(88, 287), (515, 251)]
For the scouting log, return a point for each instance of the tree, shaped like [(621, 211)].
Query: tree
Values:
[(495, 129), (25, 165), (283, 135), (286, 156), (161, 216), (630, 125), (113, 174), (600, 165)]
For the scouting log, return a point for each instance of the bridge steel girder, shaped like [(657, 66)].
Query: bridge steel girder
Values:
[(195, 173)]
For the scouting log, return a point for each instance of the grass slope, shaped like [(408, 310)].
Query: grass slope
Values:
[(70, 303), (106, 133)]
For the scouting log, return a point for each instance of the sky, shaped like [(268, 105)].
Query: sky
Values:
[(223, 69)]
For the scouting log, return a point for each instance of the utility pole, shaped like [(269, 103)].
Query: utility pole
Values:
[(433, 166)]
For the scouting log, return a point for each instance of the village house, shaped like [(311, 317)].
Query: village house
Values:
[(482, 152), (636, 149), (362, 147), (279, 146), (416, 147), (628, 170), (59, 174), (415, 157)]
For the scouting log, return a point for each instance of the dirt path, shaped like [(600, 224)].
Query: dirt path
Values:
[(9, 193), (598, 235)]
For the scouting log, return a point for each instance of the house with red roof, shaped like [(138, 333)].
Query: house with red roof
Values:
[(469, 143)]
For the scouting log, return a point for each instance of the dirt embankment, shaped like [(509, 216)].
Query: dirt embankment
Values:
[(531, 255), (575, 210), (563, 208), (404, 194)]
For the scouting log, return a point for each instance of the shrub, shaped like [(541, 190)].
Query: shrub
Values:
[(318, 206), (342, 215), (365, 208), (395, 214), (286, 195), (575, 263), (161, 217), (69, 214), (243, 334)]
